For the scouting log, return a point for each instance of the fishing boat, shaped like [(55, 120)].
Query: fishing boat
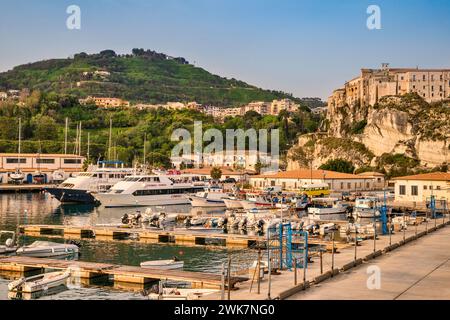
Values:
[(366, 208), (233, 203), (181, 294), (327, 209), (82, 187), (40, 282), (210, 197), (151, 190), (163, 264), (46, 249), (256, 200)]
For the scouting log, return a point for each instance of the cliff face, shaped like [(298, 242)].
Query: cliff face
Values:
[(404, 125)]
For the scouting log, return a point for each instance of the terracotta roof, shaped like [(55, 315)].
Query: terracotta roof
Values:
[(207, 171), (41, 155), (434, 176), (368, 174), (306, 174)]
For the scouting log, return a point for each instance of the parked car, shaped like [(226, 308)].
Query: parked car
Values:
[(229, 180)]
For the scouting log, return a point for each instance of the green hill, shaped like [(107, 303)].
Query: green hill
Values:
[(143, 76)]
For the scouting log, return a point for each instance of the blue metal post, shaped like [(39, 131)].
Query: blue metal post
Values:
[(383, 212)]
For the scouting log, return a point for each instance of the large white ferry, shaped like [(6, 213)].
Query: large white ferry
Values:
[(81, 187), (151, 190)]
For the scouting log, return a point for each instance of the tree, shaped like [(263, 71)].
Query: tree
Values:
[(216, 173), (338, 165), (45, 128)]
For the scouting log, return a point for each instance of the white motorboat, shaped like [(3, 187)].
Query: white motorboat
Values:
[(9, 246), (181, 294), (82, 187), (151, 190), (327, 209), (40, 282), (163, 264), (233, 203), (17, 176), (211, 197), (46, 249), (366, 208)]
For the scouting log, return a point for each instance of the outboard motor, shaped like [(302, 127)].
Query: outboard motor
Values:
[(125, 218)]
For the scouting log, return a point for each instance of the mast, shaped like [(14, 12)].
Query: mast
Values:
[(20, 141), (145, 141), (88, 145), (110, 137), (65, 135), (79, 144)]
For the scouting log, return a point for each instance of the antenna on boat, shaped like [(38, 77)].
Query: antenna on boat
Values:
[(110, 137), (65, 135)]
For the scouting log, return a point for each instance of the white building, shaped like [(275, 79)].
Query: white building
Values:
[(294, 180), (418, 188), (47, 164)]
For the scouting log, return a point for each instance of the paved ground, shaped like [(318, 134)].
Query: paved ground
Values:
[(418, 271)]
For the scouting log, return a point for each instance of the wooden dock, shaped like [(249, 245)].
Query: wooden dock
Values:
[(183, 237), (22, 188), (120, 274)]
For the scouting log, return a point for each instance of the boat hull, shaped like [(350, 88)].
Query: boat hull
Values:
[(71, 195), (233, 204), (48, 281), (163, 265), (206, 203), (125, 201)]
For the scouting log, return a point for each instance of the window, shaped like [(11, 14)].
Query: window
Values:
[(424, 77), (272, 183), (349, 185), (414, 190), (438, 187), (45, 161), (16, 160), (402, 190), (342, 186), (425, 187), (72, 161)]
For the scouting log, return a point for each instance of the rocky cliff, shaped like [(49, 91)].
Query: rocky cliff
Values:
[(365, 135)]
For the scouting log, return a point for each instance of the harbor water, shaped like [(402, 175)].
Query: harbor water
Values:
[(40, 208)]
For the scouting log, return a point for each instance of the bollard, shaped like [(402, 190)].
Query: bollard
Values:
[(295, 271), (321, 262)]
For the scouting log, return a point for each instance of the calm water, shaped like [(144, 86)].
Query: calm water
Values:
[(42, 209)]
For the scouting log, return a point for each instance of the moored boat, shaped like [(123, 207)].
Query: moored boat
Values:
[(40, 282), (163, 264), (46, 249), (211, 197)]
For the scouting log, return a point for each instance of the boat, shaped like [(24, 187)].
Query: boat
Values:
[(181, 294), (233, 203), (82, 187), (9, 247), (151, 190), (210, 197), (46, 249), (366, 208), (163, 264), (327, 209), (256, 200), (18, 176), (40, 282)]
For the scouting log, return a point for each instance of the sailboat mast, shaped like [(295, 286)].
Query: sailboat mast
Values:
[(110, 137), (145, 151), (79, 144), (88, 145), (65, 135), (20, 142)]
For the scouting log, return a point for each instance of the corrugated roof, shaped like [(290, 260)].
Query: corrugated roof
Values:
[(434, 176), (306, 174)]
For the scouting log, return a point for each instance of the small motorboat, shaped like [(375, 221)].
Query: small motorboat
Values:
[(181, 294), (233, 203), (46, 249), (40, 282), (211, 197), (9, 246), (163, 264)]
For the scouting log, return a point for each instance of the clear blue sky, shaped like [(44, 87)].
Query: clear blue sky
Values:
[(305, 47)]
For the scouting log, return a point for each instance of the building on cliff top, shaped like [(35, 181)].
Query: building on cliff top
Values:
[(431, 84)]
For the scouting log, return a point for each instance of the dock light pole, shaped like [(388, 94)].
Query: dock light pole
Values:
[(404, 226), (356, 242), (222, 291), (332, 255), (390, 231), (270, 277)]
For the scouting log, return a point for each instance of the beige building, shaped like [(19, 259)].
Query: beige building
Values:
[(419, 188), (431, 84), (106, 102), (294, 180), (378, 179)]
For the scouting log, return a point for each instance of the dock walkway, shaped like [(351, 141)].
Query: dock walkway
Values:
[(122, 274)]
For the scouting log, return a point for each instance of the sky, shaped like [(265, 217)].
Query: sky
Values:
[(304, 47)]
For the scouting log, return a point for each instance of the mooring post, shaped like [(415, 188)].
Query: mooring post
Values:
[(295, 271), (321, 261), (229, 278), (356, 242), (332, 255), (222, 295), (259, 271)]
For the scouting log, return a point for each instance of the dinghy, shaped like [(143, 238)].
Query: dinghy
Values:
[(46, 249), (181, 294), (163, 264), (39, 283)]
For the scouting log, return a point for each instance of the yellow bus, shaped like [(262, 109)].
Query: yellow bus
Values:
[(316, 190)]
